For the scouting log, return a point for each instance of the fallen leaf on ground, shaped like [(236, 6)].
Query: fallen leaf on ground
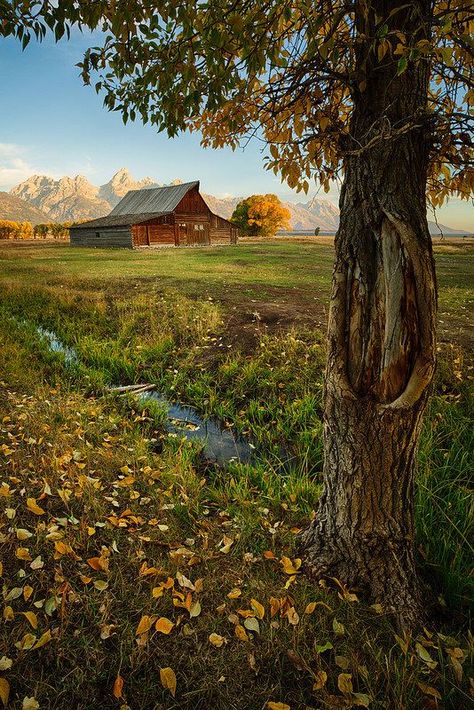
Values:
[(164, 625), (290, 567), (118, 687), (4, 691), (30, 704), (32, 505), (217, 640), (168, 680), (344, 682), (320, 679), (144, 625)]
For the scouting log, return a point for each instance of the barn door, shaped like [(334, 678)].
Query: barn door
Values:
[(140, 235), (182, 234)]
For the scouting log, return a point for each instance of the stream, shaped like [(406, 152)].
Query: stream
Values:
[(220, 444)]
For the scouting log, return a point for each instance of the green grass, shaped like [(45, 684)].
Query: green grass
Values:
[(186, 321)]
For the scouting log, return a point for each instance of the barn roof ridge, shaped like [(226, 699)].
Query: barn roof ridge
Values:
[(155, 199), (191, 183)]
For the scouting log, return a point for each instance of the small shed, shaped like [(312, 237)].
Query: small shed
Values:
[(176, 215)]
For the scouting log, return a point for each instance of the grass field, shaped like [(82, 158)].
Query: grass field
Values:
[(125, 554)]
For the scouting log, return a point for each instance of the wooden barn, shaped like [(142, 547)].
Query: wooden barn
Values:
[(175, 215)]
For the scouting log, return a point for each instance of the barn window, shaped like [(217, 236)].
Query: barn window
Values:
[(199, 227), (97, 234)]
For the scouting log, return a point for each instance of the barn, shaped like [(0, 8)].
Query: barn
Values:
[(175, 215)]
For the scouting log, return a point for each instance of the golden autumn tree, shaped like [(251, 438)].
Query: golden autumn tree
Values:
[(380, 93), (261, 216)]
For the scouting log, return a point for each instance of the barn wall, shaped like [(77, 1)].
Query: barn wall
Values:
[(222, 231), (102, 237), (161, 233), (192, 204), (157, 231)]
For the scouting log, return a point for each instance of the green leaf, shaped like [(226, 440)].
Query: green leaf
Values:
[(402, 65)]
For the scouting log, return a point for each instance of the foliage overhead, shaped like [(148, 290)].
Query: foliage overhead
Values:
[(285, 72), (261, 215)]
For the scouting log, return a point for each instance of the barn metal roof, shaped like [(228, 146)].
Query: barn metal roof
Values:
[(155, 199), (118, 220)]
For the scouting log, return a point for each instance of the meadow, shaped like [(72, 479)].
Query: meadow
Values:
[(136, 573)]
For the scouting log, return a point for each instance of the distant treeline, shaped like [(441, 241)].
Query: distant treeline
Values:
[(25, 230)]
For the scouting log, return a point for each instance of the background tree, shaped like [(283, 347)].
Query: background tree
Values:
[(316, 231), (380, 93), (9, 229), (261, 216)]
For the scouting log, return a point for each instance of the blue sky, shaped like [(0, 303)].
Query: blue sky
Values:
[(51, 124)]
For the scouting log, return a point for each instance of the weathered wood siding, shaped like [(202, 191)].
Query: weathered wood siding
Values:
[(104, 237), (192, 204), (157, 231), (222, 231)]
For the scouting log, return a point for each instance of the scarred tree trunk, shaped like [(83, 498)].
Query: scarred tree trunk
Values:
[(381, 338)]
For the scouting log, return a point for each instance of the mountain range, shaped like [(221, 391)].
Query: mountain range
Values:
[(17, 210), (41, 198), (74, 198)]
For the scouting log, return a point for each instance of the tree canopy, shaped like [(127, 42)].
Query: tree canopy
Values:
[(285, 72), (261, 215)]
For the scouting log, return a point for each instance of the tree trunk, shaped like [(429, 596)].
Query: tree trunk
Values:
[(381, 338)]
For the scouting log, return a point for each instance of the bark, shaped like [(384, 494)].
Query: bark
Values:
[(381, 337)]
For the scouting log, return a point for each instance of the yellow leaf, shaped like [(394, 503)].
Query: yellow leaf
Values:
[(241, 633), (32, 505), (425, 656), (145, 624), (27, 642), (118, 687), (99, 563), (290, 567), (429, 690), (258, 608), (62, 548), (320, 679), (217, 640), (30, 704), (168, 680), (277, 706), (23, 534), (234, 593), (4, 691), (274, 606), (23, 553), (101, 584), (292, 616), (43, 640), (8, 613), (195, 609), (27, 592), (164, 625), (32, 618), (344, 682), (37, 563)]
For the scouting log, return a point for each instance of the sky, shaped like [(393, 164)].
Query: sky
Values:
[(53, 125)]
